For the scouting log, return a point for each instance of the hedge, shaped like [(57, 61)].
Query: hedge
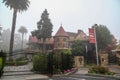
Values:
[(16, 63)]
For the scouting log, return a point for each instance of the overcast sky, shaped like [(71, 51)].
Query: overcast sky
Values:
[(72, 14)]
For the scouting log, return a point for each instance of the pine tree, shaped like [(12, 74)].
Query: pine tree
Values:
[(44, 28), (104, 37)]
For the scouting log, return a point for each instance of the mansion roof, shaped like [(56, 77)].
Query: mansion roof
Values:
[(33, 39), (61, 32), (80, 35), (72, 34), (118, 48)]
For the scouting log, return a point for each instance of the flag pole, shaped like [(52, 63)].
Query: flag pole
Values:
[(96, 47)]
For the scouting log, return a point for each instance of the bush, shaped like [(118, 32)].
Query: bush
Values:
[(19, 63), (62, 61), (103, 70), (10, 63), (110, 73), (16, 63), (67, 61), (40, 63), (2, 61), (98, 70), (52, 63), (21, 59)]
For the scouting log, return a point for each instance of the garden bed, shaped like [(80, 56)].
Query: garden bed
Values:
[(18, 62), (100, 70)]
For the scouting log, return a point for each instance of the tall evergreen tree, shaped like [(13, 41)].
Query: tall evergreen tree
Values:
[(44, 28), (104, 37), (16, 5)]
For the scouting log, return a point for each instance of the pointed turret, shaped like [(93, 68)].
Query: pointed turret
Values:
[(61, 32), (61, 39)]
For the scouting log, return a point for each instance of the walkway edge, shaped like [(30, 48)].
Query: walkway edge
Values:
[(100, 75), (67, 74)]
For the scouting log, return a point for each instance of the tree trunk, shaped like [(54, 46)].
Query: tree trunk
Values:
[(22, 41), (12, 33), (43, 48)]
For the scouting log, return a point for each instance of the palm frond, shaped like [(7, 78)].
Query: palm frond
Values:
[(20, 5)]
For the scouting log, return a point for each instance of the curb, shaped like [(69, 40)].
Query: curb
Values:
[(18, 74), (67, 74), (70, 73), (36, 78), (100, 75)]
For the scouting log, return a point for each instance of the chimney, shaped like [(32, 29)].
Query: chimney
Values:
[(79, 31)]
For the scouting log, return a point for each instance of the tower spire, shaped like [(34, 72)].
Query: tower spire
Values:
[(61, 24)]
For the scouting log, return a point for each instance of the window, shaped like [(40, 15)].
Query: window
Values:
[(64, 39), (57, 39)]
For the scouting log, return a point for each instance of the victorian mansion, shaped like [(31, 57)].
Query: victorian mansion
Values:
[(61, 40)]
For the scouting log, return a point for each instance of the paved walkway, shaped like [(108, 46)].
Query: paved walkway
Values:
[(24, 73), (24, 77), (82, 71), (27, 67), (21, 73), (114, 68)]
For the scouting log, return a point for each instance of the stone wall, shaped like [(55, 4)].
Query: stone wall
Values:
[(103, 59), (79, 61)]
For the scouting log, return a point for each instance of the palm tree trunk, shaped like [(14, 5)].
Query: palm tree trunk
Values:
[(22, 41), (12, 33)]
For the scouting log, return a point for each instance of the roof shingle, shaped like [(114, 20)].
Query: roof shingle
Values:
[(71, 34), (61, 32)]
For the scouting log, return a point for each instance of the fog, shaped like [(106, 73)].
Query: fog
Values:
[(5, 41)]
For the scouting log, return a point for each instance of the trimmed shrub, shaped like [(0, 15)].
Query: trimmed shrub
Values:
[(52, 63), (40, 63), (67, 61), (19, 63), (16, 63), (10, 63), (63, 60), (109, 73), (56, 63), (99, 70), (21, 59)]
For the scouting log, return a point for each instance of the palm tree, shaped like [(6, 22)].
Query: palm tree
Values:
[(17, 6), (23, 31)]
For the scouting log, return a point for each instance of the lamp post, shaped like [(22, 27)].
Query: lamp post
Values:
[(86, 46), (96, 46)]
